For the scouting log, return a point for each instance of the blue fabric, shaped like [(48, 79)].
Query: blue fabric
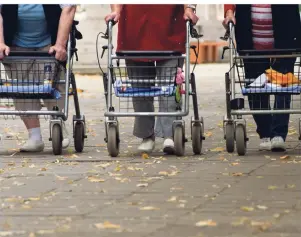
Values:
[(270, 90), (32, 27), (145, 92), (122, 90), (42, 89)]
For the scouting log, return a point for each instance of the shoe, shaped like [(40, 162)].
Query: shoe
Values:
[(278, 144), (33, 146), (169, 146), (265, 144), (66, 140), (147, 145)]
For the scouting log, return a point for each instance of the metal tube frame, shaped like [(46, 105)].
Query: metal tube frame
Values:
[(234, 57), (58, 114), (111, 57)]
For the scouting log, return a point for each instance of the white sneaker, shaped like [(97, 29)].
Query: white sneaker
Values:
[(265, 144), (66, 140), (147, 145), (32, 146), (278, 144), (168, 146)]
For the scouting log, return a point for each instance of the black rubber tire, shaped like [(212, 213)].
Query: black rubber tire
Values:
[(57, 139), (113, 140), (79, 136), (230, 137), (179, 140), (241, 143), (197, 138)]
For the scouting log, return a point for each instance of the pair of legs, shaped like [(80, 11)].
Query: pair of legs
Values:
[(146, 127), (34, 70), (270, 126)]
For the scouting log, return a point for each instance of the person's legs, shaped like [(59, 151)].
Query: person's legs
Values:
[(280, 121), (167, 70), (24, 70), (143, 126), (253, 69)]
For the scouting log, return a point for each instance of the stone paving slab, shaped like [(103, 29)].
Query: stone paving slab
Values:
[(129, 196)]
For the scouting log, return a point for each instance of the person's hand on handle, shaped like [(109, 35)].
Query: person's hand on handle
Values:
[(112, 16), (189, 14), (4, 50), (60, 52), (229, 17), (115, 13)]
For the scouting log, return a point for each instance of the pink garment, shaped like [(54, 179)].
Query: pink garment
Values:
[(180, 79)]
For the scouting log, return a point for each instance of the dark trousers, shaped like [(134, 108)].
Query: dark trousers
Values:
[(269, 125)]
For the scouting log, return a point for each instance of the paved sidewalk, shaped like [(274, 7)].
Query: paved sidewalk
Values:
[(90, 194)]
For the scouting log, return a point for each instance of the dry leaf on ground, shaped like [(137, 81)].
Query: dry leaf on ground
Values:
[(245, 208), (172, 199), (262, 207), (142, 185), (206, 223), (107, 225), (32, 235), (218, 149), (261, 225), (145, 156), (237, 174), (95, 179), (271, 187), (284, 157), (148, 208)]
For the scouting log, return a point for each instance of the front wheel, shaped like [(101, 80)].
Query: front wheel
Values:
[(241, 141), (79, 136), (113, 140), (57, 139)]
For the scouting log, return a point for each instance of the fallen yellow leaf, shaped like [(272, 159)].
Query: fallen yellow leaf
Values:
[(245, 208), (206, 223), (284, 157), (237, 174), (234, 163), (95, 179), (106, 225), (218, 149), (271, 187), (261, 225), (32, 235), (145, 156), (142, 185), (208, 134), (172, 199), (148, 208), (262, 207)]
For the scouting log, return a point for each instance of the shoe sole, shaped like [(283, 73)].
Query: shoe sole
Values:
[(278, 149), (169, 150)]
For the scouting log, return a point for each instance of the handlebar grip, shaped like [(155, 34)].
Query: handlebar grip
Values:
[(112, 21), (30, 54)]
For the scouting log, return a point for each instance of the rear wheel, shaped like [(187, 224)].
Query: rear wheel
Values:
[(179, 140), (197, 138), (230, 137)]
